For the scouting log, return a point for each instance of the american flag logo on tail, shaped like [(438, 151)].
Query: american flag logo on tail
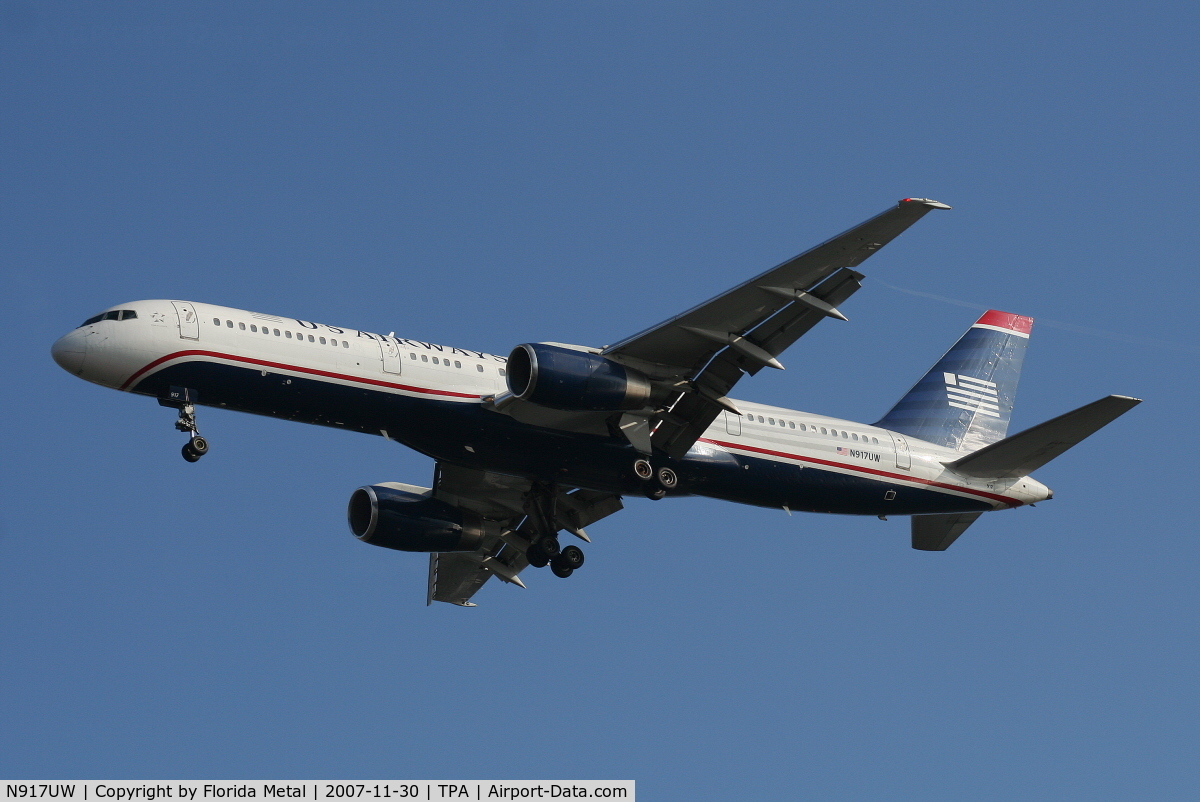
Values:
[(976, 395)]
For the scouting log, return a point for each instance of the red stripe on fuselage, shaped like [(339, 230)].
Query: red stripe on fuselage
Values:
[(1012, 502), (280, 366)]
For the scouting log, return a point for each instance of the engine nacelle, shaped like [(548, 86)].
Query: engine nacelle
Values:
[(562, 378), (408, 518)]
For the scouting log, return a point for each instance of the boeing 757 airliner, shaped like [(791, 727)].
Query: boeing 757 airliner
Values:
[(552, 437)]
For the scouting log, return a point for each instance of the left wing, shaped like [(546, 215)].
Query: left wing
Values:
[(507, 502), (707, 349)]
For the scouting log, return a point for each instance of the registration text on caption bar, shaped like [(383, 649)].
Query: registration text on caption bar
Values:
[(229, 790)]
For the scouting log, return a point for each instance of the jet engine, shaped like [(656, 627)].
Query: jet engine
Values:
[(563, 378), (408, 518)]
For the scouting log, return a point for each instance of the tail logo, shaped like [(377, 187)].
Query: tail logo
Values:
[(975, 395)]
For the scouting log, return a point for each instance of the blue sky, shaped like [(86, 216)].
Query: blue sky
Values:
[(484, 175)]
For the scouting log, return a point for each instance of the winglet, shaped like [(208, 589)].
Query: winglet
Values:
[(932, 204)]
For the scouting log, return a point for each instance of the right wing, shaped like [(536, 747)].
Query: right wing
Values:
[(504, 502)]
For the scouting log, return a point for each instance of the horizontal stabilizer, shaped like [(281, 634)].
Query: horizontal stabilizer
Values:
[(937, 532), (1029, 450)]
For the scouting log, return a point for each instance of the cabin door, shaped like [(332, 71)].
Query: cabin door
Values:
[(733, 424), (189, 321), (903, 458), (391, 355)]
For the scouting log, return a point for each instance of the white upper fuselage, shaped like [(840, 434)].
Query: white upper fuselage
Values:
[(119, 353)]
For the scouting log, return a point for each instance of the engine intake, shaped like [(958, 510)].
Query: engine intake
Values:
[(408, 518), (562, 378)]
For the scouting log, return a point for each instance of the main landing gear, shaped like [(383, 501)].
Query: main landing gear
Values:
[(655, 484), (541, 526)]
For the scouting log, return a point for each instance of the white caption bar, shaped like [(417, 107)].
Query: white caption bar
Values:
[(231, 790)]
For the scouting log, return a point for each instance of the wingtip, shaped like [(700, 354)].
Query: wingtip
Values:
[(932, 204)]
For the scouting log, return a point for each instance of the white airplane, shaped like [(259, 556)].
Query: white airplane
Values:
[(551, 438)]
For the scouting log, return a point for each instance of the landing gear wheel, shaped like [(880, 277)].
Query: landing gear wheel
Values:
[(643, 469), (549, 546), (561, 570), (189, 454), (199, 446), (654, 493), (537, 558), (667, 478), (571, 557)]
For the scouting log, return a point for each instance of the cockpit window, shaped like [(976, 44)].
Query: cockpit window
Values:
[(119, 314)]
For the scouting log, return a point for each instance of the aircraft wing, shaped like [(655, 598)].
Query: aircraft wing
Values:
[(504, 502), (709, 347)]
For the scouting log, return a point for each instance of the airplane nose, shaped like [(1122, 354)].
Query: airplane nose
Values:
[(69, 351)]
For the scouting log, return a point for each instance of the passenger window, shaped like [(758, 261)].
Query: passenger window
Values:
[(253, 328), (771, 421), (229, 323), (791, 425), (310, 338), (216, 321), (874, 442), (345, 344), (853, 437), (276, 332), (823, 430), (457, 364), (831, 431), (412, 356), (435, 361), (128, 314), (424, 357), (501, 371), (241, 326), (288, 334), (802, 427), (322, 340), (844, 435), (479, 368)]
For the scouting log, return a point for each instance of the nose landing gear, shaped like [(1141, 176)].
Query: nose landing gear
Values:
[(182, 398), (195, 448)]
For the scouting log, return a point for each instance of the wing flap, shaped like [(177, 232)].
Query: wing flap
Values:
[(454, 578)]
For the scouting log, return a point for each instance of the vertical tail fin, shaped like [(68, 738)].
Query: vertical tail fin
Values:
[(965, 401)]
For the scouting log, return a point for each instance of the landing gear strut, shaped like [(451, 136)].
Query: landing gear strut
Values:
[(181, 399), (541, 525)]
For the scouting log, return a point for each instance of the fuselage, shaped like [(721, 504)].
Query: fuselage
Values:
[(433, 398)]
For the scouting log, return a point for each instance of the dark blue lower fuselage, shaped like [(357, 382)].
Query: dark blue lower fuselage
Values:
[(470, 435)]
